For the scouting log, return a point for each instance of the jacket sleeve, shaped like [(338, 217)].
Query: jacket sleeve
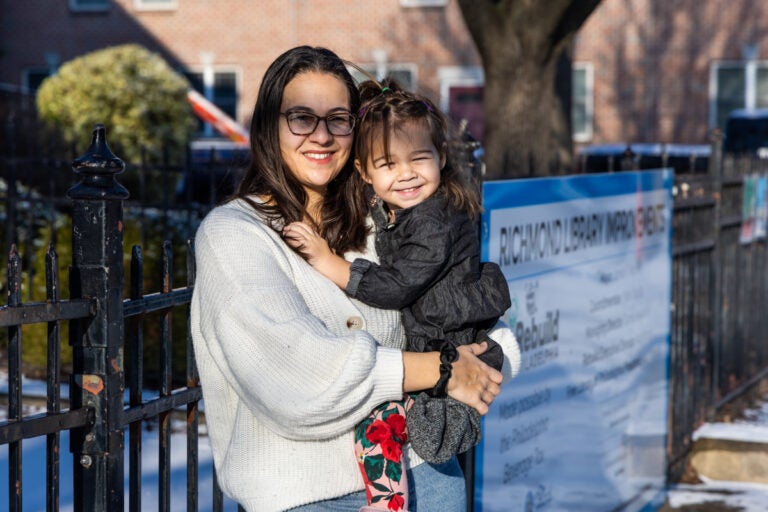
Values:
[(260, 335), (484, 299), (422, 259)]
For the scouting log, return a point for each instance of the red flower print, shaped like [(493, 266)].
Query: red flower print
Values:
[(378, 432), (396, 503), (391, 450), (397, 424)]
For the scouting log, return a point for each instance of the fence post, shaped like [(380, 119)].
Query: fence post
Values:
[(97, 378), (715, 171)]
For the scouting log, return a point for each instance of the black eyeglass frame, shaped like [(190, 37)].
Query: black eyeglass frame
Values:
[(317, 119)]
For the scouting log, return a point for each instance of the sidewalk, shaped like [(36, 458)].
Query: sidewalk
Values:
[(750, 426)]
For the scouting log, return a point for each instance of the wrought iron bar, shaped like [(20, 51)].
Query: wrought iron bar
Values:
[(14, 383), (53, 382), (135, 348), (166, 381), (39, 312), (156, 302), (193, 382)]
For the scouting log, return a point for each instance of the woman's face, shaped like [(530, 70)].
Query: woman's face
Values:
[(317, 158)]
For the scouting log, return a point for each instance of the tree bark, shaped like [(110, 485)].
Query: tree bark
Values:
[(525, 47)]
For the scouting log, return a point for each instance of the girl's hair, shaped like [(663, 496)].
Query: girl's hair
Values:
[(386, 107), (344, 209)]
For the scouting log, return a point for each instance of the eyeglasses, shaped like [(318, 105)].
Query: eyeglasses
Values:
[(305, 123)]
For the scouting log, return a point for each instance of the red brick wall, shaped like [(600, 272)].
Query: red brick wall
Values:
[(243, 35), (651, 58)]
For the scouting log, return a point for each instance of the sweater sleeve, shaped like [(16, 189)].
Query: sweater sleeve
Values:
[(503, 335), (278, 338)]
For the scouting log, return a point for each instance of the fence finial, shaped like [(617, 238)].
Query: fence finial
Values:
[(97, 168)]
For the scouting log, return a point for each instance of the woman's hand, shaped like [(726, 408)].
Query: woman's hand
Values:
[(472, 381)]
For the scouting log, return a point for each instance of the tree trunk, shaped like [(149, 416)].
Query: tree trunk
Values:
[(525, 47), (524, 123)]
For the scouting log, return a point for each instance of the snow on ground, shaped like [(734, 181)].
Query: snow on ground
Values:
[(734, 495), (34, 465), (33, 474), (731, 495), (748, 497)]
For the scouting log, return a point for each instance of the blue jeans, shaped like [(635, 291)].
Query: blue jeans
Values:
[(432, 487)]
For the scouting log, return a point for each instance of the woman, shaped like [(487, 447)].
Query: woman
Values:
[(288, 363)]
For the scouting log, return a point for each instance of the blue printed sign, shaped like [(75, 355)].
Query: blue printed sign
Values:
[(583, 426)]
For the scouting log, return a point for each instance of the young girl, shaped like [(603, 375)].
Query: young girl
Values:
[(429, 267)]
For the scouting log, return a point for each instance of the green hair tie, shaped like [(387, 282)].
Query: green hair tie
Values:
[(385, 89)]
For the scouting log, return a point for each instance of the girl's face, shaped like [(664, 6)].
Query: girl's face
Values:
[(412, 172), (317, 158)]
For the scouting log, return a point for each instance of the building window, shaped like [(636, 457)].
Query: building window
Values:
[(582, 107), (222, 92), (404, 74), (735, 85), (461, 97), (423, 3), (155, 5), (89, 5)]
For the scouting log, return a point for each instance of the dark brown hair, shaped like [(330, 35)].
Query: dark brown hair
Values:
[(343, 210), (385, 107)]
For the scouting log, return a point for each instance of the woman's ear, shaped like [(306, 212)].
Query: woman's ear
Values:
[(361, 171)]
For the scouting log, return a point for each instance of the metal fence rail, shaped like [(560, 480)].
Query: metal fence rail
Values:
[(18, 427)]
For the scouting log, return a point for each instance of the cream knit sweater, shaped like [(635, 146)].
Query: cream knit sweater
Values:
[(288, 364)]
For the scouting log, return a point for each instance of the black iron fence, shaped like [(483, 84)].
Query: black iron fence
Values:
[(106, 335), (718, 345), (719, 292)]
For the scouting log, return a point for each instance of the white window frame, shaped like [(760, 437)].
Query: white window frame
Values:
[(391, 66), (713, 86), (166, 5), (74, 5), (457, 76), (423, 3), (750, 69), (589, 102)]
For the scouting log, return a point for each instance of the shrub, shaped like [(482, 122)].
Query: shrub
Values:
[(132, 91)]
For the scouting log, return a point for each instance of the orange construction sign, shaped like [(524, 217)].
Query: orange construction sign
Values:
[(220, 121)]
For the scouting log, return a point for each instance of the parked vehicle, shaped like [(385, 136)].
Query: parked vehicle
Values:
[(683, 158), (216, 166), (746, 132)]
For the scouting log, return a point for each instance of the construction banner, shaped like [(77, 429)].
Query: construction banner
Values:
[(583, 426)]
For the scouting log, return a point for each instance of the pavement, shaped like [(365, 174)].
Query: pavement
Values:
[(728, 468)]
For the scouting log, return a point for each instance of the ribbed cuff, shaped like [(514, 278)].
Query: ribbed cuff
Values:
[(388, 374), (359, 267), (503, 335)]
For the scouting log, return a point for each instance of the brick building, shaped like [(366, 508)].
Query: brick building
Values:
[(644, 70), (669, 70)]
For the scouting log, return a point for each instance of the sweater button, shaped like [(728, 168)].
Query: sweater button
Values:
[(354, 322)]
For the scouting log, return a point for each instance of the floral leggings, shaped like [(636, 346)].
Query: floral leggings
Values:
[(379, 441)]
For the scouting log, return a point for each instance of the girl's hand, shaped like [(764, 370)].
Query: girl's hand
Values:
[(314, 248), (306, 240), (472, 381)]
